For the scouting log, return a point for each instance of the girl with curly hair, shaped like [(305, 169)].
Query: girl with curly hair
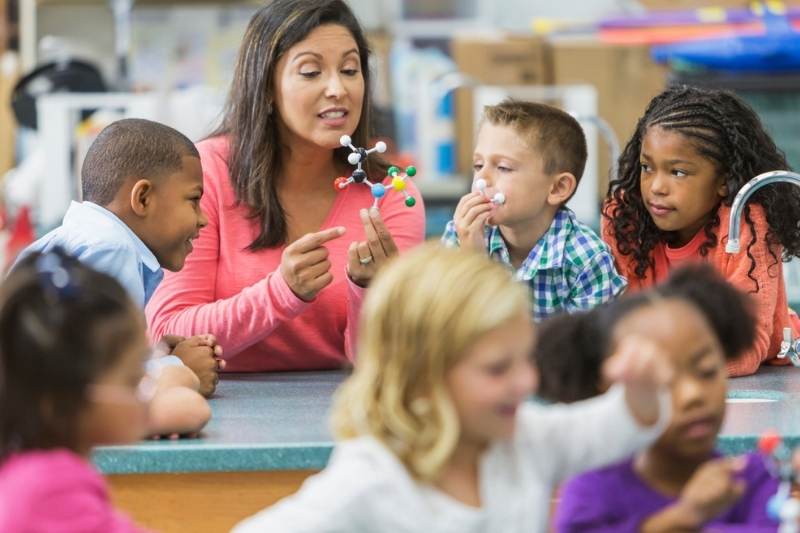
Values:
[(692, 151)]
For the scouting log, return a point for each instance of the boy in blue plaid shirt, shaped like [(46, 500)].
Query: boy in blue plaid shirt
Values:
[(534, 155)]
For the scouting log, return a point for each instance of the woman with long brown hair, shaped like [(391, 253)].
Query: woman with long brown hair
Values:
[(279, 272)]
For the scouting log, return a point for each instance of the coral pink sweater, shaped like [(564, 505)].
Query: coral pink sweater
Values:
[(241, 297), (770, 302)]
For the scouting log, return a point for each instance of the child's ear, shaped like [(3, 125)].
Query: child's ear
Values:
[(142, 197), (723, 189), (562, 188)]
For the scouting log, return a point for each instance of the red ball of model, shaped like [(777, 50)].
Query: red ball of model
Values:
[(768, 442), (340, 183)]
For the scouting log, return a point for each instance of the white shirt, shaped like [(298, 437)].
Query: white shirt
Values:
[(366, 489)]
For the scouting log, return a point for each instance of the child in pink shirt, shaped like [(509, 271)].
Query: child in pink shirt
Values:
[(72, 356)]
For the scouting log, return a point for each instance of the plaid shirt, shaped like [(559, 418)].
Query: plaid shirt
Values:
[(570, 268)]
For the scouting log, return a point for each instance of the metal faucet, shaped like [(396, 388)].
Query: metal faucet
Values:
[(745, 193), (790, 347)]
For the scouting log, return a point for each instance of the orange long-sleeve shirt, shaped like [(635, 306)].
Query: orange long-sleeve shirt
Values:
[(771, 307)]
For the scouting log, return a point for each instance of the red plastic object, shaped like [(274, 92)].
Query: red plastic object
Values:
[(768, 442), (22, 234), (340, 183), (679, 33)]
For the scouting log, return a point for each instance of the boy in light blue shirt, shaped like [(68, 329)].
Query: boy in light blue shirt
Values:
[(100, 239), (141, 183)]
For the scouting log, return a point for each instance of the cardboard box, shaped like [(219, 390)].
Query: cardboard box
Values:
[(499, 60), (626, 79), (506, 60)]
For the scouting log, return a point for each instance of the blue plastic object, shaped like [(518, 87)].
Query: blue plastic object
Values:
[(774, 505), (378, 190), (777, 50)]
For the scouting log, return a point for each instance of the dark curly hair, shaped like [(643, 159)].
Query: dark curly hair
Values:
[(572, 348), (568, 356), (728, 132)]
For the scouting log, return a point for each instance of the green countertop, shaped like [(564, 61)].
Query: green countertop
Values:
[(767, 400), (279, 422), (260, 422)]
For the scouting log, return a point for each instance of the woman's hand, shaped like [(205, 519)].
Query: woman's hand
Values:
[(305, 265), (365, 258)]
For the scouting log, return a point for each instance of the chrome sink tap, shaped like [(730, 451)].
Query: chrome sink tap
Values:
[(776, 176), (790, 347)]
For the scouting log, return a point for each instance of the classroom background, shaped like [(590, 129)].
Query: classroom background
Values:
[(68, 68)]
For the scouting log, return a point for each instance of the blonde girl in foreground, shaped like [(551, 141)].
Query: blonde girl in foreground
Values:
[(435, 433)]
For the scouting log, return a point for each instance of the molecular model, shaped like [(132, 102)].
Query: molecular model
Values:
[(359, 175), (498, 198), (781, 507)]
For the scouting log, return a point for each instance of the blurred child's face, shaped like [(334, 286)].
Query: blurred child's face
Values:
[(700, 385), (489, 383), (680, 187), (116, 411), (319, 87), (509, 165), (176, 217)]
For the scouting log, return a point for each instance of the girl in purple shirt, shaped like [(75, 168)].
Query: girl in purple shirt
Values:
[(680, 483)]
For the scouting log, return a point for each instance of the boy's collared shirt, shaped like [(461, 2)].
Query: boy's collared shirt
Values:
[(99, 239), (569, 269)]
